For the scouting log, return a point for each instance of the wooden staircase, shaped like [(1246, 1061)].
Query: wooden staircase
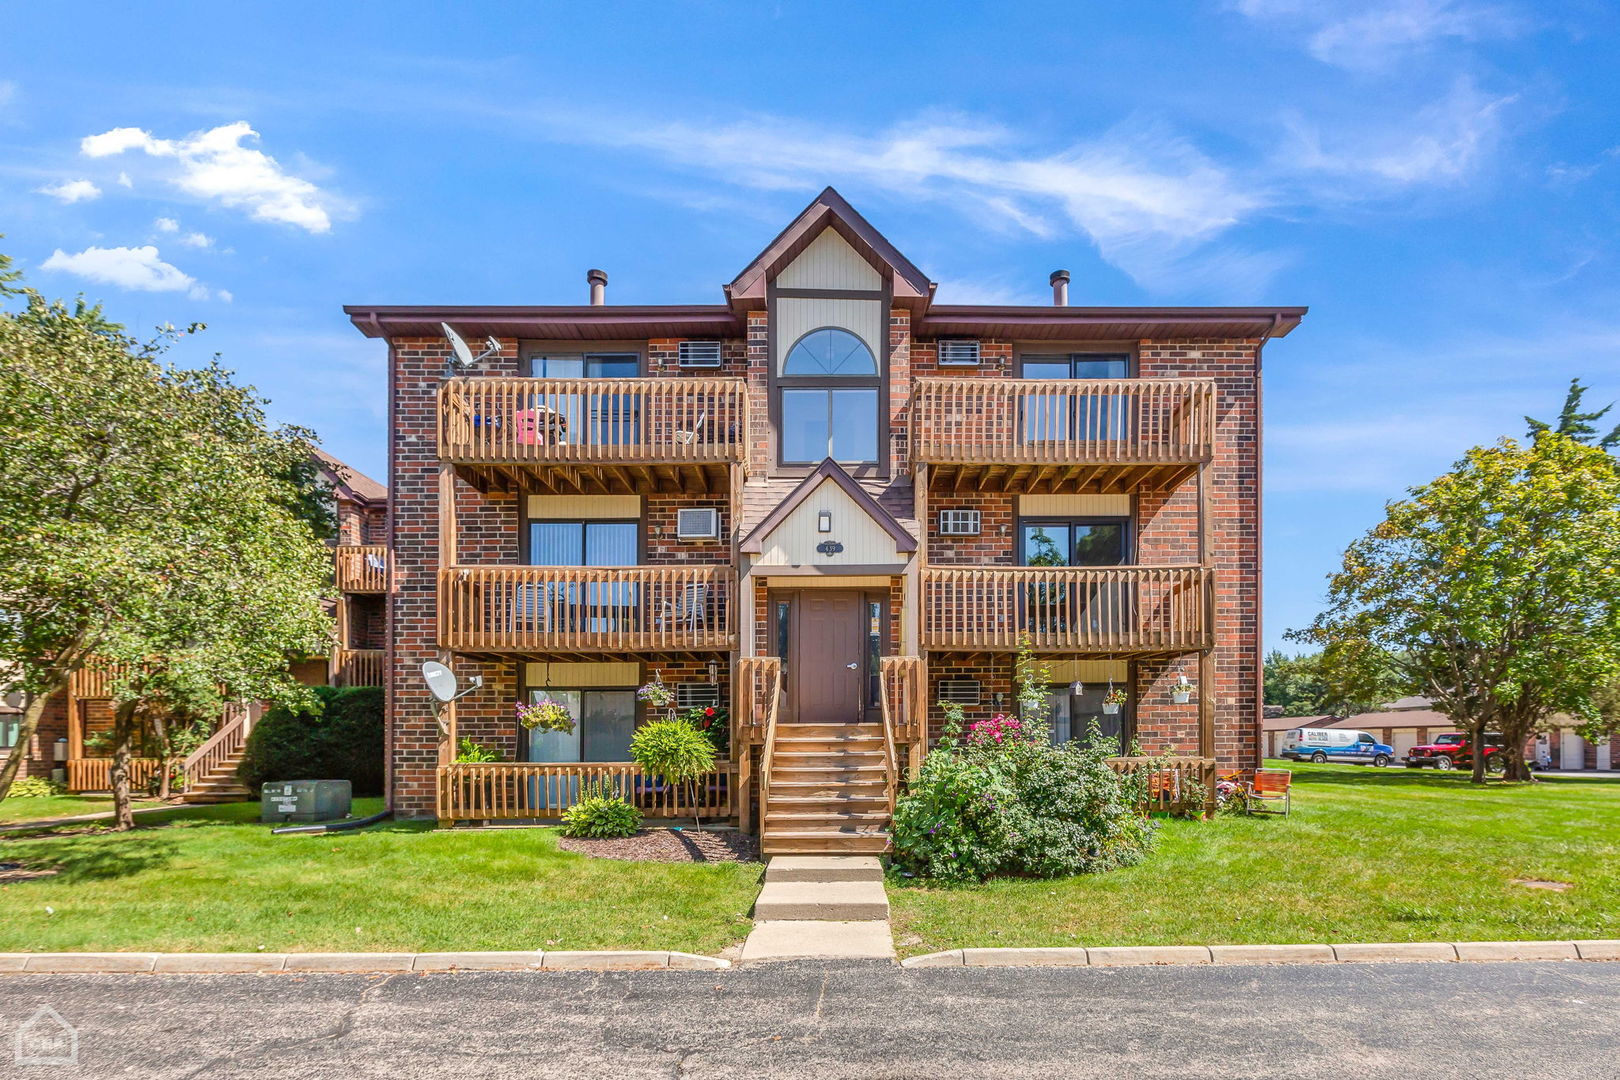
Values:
[(827, 789), (210, 771)]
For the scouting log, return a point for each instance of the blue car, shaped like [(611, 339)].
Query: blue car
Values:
[(1336, 744)]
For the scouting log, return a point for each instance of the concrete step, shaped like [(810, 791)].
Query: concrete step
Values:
[(816, 940), (824, 868), (838, 901)]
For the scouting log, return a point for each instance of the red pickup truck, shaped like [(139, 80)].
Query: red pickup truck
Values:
[(1451, 751)]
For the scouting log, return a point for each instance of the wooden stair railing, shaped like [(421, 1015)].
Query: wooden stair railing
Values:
[(768, 743), (224, 745), (905, 692)]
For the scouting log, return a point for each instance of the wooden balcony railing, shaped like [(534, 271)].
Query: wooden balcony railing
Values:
[(546, 609), (510, 421), (1112, 433), (1114, 610), (95, 774), (361, 568), (1168, 777), (905, 707), (357, 667), (522, 791)]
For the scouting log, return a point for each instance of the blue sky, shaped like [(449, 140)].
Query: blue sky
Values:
[(1439, 181)]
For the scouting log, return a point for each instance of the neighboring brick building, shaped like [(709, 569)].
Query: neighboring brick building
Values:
[(830, 479)]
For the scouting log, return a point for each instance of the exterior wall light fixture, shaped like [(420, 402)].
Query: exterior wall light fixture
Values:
[(824, 521)]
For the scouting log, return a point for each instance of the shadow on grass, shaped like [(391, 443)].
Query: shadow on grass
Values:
[(82, 863)]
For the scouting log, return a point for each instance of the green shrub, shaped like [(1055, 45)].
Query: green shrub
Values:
[(341, 739), (1019, 806), (601, 812), (36, 787), (471, 752)]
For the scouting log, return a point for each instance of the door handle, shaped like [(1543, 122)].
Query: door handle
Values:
[(852, 665)]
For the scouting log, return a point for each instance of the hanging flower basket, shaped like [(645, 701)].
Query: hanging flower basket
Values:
[(656, 693), (545, 716), (1112, 701), (1182, 696)]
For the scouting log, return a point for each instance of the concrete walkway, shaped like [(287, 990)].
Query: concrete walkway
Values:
[(821, 907), (82, 819)]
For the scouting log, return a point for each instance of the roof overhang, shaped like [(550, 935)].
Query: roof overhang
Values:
[(1107, 324), (578, 322), (829, 469)]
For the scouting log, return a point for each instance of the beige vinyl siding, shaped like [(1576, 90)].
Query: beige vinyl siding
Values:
[(585, 507), (569, 676), (796, 316), (1091, 671), (1074, 506), (793, 542), (830, 263)]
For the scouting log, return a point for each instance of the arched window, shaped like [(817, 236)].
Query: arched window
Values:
[(829, 399), (829, 351)]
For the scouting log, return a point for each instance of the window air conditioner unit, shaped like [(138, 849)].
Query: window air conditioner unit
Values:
[(959, 523), (697, 696), (699, 354), (958, 352), (961, 691), (697, 524)]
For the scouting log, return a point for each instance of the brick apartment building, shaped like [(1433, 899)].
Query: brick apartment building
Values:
[(821, 504)]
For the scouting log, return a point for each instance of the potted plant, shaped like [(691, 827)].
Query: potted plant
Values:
[(1181, 693), (545, 715), (1112, 701), (656, 694), (677, 753)]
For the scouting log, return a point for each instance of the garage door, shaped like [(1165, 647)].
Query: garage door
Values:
[(1572, 751), (1403, 741)]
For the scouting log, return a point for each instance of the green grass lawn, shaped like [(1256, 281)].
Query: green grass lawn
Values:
[(1368, 855), (13, 811), (213, 879)]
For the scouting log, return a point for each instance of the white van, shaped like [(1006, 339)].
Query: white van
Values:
[(1336, 744)]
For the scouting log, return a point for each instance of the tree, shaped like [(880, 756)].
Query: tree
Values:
[(147, 521), (1492, 590), (1577, 425), (1299, 684)]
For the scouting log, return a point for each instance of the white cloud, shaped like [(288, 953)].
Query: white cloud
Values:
[(141, 269), (1361, 36), (197, 240), (71, 191), (1142, 194), (1441, 143), (225, 295), (124, 180), (214, 165), (166, 224)]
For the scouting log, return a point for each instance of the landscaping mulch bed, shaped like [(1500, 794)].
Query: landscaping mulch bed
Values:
[(670, 845)]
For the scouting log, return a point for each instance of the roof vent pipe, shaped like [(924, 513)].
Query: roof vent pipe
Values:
[(598, 280), (1060, 288)]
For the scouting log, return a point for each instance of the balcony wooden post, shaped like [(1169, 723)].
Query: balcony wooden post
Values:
[(448, 546), (1206, 704)]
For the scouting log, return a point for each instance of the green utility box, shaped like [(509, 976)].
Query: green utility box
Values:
[(305, 800)]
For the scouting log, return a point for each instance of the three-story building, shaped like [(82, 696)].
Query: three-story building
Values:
[(819, 507)]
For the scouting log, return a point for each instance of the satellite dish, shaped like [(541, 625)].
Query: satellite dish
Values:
[(441, 680), (464, 358)]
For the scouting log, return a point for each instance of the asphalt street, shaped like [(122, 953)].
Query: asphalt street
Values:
[(867, 1020)]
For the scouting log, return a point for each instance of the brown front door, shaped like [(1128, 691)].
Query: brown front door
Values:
[(827, 655)]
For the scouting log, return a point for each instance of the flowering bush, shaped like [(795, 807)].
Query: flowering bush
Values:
[(545, 716), (714, 723), (997, 729), (1229, 797), (656, 693)]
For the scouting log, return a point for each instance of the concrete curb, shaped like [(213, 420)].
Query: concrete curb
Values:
[(357, 963), (1371, 952)]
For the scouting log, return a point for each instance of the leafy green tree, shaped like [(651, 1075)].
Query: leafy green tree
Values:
[(1299, 684), (677, 752), (1492, 590), (1575, 424), (147, 521)]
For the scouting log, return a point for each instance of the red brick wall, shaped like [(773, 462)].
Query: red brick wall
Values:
[(996, 544), (39, 753), (663, 545)]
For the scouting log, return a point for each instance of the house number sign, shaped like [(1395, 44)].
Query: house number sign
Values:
[(829, 547)]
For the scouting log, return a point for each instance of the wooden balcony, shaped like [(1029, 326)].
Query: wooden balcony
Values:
[(508, 791), (594, 436), (361, 568), (357, 667), (1103, 436), (550, 610), (1097, 611)]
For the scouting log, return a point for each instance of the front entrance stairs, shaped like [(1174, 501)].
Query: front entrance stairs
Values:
[(218, 785), (827, 792), (821, 906)]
